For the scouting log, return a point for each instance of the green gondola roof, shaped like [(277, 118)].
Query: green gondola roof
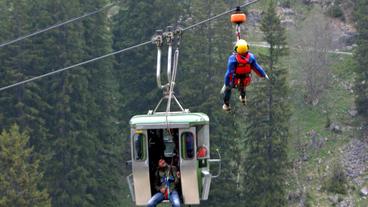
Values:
[(174, 119)]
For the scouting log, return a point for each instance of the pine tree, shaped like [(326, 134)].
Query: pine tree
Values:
[(68, 173), (361, 57), (106, 157), (268, 131), (20, 175), (23, 105)]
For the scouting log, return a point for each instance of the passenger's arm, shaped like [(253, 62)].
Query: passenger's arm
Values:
[(231, 65), (157, 183), (256, 67)]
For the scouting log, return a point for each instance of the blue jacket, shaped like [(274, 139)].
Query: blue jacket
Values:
[(232, 64)]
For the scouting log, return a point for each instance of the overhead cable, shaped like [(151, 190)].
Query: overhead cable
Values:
[(73, 66), (117, 52), (56, 25)]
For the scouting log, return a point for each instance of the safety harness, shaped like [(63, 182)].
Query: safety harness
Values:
[(242, 71), (243, 66)]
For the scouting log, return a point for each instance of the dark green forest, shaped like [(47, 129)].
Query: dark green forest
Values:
[(65, 139)]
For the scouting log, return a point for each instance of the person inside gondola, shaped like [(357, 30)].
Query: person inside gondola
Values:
[(165, 183), (238, 74)]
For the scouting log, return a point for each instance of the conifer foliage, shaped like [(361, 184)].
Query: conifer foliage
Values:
[(20, 176), (71, 117), (361, 57), (23, 105), (267, 131), (106, 158)]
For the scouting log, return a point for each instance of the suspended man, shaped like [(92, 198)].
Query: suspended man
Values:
[(238, 73)]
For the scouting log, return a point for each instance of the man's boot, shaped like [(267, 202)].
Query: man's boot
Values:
[(243, 99), (226, 107)]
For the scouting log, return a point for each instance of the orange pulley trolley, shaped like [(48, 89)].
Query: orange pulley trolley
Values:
[(238, 18)]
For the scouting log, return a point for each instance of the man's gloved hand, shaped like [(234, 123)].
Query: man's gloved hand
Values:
[(266, 76)]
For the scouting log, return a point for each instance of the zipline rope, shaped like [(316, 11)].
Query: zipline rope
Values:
[(56, 25), (73, 66), (116, 52)]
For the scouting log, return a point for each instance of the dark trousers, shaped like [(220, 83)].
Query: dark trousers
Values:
[(227, 94)]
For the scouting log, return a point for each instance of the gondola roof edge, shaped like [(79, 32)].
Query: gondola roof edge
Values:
[(172, 118)]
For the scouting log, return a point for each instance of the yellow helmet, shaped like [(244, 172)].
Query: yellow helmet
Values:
[(241, 46)]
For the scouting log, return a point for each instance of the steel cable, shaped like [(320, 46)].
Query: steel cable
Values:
[(116, 52), (73, 66), (55, 26)]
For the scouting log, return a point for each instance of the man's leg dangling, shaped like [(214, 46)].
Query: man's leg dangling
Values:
[(242, 96), (227, 96)]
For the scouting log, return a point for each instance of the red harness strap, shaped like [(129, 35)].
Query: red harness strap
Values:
[(243, 66), (242, 71)]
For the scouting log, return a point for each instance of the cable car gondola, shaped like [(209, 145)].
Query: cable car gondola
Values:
[(182, 138)]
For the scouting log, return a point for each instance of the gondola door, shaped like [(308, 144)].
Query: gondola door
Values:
[(140, 166), (188, 166)]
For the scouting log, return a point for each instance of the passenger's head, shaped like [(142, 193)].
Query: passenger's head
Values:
[(241, 47), (162, 163)]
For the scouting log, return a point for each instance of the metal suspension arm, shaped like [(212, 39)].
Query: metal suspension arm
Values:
[(172, 82), (158, 40), (169, 38), (169, 61), (158, 68)]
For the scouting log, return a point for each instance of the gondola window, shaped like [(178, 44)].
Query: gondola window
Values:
[(187, 145), (139, 147)]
